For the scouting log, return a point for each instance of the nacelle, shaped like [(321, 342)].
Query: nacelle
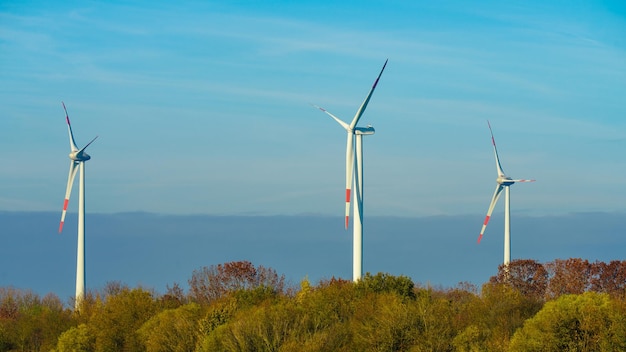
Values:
[(364, 130)]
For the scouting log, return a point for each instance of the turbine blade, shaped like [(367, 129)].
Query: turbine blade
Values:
[(343, 124), (359, 112), (69, 129), (523, 181), (349, 173), (495, 151), (85, 147), (68, 191), (492, 205)]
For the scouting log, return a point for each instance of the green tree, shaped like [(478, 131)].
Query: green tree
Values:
[(465, 305), (384, 322), (324, 313), (172, 330), (382, 282), (263, 327), (115, 323), (469, 309), (500, 311), (315, 319), (585, 322), (218, 313), (435, 320), (77, 339)]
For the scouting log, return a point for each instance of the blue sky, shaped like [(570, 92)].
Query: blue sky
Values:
[(204, 107)]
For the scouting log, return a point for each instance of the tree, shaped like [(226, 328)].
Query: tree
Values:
[(383, 322), (173, 298), (609, 278), (218, 314), (316, 319), (208, 284), (324, 314), (258, 328), (172, 330), (9, 313), (500, 311), (467, 310), (570, 276), (526, 275), (77, 338), (434, 317), (584, 322), (381, 282), (115, 323), (28, 322)]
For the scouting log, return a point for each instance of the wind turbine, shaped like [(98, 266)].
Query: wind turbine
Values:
[(77, 161), (355, 142), (503, 183)]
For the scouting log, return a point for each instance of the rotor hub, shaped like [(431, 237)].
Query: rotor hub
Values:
[(79, 156)]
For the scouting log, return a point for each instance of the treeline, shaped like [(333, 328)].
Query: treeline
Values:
[(564, 305)]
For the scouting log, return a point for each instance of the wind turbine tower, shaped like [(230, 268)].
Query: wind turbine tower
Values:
[(78, 157), (503, 182), (354, 176)]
